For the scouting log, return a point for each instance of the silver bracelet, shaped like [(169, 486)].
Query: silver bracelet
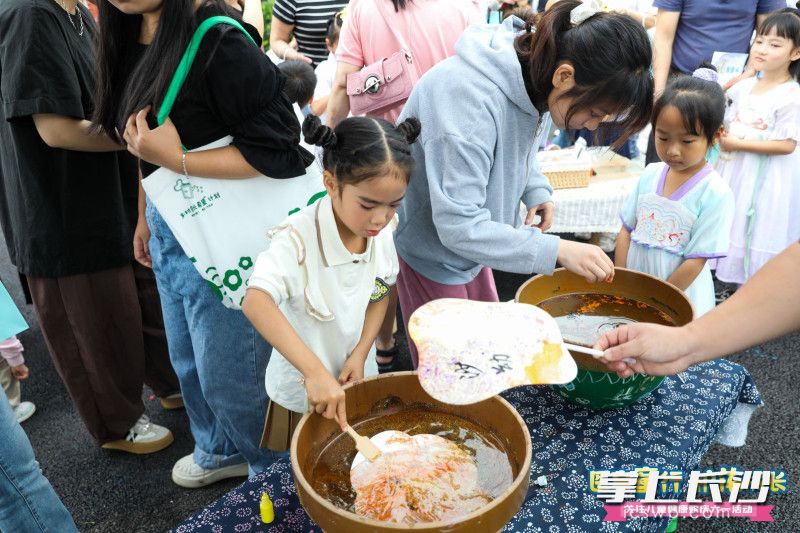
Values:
[(183, 163)]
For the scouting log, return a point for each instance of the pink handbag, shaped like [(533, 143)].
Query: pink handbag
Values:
[(384, 84)]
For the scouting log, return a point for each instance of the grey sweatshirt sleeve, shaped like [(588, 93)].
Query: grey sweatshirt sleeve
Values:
[(458, 172), (538, 190)]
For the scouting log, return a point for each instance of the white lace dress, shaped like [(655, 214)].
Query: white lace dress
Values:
[(766, 188)]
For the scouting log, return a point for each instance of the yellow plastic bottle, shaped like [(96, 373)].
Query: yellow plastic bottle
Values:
[(267, 510)]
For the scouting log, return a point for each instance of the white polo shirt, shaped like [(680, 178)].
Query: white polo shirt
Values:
[(323, 289)]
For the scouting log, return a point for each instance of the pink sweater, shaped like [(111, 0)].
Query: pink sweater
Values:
[(11, 350), (429, 27)]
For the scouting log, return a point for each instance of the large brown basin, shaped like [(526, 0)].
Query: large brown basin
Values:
[(365, 401), (594, 386)]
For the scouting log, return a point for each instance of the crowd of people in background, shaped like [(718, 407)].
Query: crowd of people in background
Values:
[(422, 196)]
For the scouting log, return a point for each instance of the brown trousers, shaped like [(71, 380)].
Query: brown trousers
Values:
[(92, 324), (158, 372)]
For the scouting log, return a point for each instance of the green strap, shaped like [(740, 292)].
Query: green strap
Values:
[(188, 58)]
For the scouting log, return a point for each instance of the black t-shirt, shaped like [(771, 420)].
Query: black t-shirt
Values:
[(234, 89), (129, 173), (61, 210)]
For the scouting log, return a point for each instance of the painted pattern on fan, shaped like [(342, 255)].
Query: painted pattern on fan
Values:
[(469, 351)]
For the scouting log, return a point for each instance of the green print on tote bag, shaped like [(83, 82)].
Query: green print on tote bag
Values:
[(222, 224)]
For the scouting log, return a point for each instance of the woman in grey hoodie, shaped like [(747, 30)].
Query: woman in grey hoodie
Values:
[(475, 160)]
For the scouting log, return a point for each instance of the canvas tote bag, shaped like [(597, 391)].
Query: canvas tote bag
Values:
[(222, 224)]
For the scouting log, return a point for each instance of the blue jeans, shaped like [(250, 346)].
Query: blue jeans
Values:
[(220, 359), (27, 500)]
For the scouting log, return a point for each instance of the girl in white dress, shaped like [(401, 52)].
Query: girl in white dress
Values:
[(680, 214), (760, 160)]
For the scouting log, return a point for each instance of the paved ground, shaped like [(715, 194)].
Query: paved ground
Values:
[(109, 492)]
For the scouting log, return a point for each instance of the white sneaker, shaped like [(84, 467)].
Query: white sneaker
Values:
[(24, 411), (143, 437), (171, 402), (186, 473)]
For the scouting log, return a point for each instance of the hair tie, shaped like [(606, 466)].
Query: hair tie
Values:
[(583, 11), (707, 74)]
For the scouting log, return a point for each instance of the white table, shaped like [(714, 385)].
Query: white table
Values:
[(594, 209)]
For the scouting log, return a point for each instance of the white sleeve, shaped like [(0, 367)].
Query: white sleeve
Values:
[(277, 270), (388, 265), (324, 81), (787, 117)]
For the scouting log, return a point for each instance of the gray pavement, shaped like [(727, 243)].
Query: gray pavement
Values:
[(110, 492)]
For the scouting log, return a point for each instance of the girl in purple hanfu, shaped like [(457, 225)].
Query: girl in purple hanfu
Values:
[(681, 212), (760, 159)]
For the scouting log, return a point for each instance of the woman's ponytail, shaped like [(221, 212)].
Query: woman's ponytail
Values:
[(540, 49)]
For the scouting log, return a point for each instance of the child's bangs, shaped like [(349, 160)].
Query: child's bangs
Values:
[(785, 25), (690, 113), (686, 102)]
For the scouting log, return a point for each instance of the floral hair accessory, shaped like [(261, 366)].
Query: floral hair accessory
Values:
[(707, 74)]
